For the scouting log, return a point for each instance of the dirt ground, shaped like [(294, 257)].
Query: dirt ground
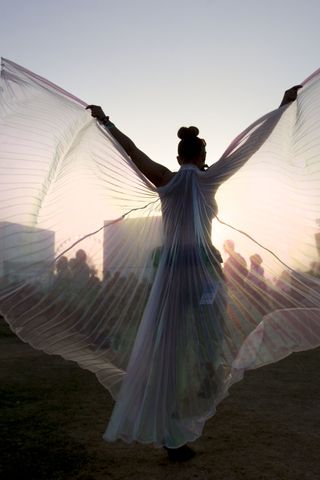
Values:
[(53, 415)]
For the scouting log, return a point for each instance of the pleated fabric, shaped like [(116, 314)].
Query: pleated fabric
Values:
[(99, 266)]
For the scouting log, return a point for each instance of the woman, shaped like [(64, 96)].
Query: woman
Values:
[(183, 328)]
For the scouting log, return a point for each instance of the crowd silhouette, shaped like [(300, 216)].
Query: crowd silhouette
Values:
[(75, 278), (93, 306)]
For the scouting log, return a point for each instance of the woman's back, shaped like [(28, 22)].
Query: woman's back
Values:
[(187, 208)]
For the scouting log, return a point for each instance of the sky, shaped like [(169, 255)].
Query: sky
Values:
[(157, 65)]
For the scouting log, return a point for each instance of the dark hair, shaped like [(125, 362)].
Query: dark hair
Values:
[(190, 145)]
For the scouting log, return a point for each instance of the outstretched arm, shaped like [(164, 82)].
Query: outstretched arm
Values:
[(156, 173), (230, 163)]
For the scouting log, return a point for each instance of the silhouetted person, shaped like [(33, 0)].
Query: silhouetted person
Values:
[(93, 286), (256, 272), (63, 270), (63, 277), (235, 267), (256, 286), (186, 234), (80, 270)]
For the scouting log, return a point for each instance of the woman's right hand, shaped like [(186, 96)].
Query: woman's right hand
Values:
[(96, 112)]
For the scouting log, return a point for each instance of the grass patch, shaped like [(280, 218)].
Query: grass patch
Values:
[(33, 445)]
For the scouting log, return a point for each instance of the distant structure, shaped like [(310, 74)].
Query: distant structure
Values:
[(26, 253), (317, 236), (128, 245)]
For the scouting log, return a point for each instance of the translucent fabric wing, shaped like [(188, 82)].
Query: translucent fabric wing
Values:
[(99, 266), (63, 178), (272, 204)]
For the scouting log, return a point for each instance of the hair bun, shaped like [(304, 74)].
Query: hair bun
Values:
[(188, 132)]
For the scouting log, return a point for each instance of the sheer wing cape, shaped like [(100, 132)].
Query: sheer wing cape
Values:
[(102, 268)]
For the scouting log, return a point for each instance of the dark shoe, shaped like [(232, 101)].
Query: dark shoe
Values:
[(181, 454)]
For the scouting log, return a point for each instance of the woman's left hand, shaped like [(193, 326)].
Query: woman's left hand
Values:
[(290, 95)]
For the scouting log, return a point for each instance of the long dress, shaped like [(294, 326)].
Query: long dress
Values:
[(153, 317)]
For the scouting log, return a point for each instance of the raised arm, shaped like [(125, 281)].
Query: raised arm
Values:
[(157, 174), (249, 143)]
